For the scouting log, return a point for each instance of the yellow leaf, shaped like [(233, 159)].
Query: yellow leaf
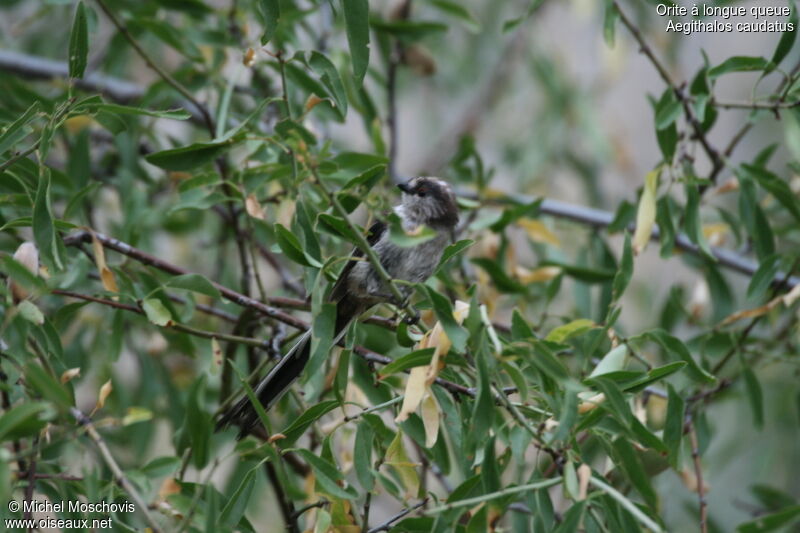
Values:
[(538, 232), (715, 233), (254, 208), (70, 374), (136, 414), (415, 390), (77, 123), (106, 275), (105, 390), (646, 214), (216, 356), (397, 458), (430, 418), (537, 275)]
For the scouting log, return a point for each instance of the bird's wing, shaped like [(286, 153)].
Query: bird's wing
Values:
[(374, 234)]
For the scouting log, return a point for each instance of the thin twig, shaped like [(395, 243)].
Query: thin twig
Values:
[(385, 526), (698, 472), (166, 76), (717, 160), (285, 504), (119, 476)]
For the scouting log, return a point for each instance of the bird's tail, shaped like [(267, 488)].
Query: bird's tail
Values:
[(270, 389)]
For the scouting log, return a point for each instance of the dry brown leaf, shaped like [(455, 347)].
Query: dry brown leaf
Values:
[(70, 374), (275, 437), (591, 403), (106, 275), (748, 313), (790, 297), (420, 60), (729, 186), (584, 474), (168, 487), (646, 214), (105, 390), (253, 207), (249, 58), (312, 102), (538, 232)]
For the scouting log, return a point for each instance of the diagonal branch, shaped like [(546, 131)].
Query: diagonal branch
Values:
[(119, 476)]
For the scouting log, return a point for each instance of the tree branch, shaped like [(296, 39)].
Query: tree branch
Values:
[(119, 476), (698, 472), (385, 526)]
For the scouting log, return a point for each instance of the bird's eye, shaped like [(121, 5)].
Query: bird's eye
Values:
[(422, 191)]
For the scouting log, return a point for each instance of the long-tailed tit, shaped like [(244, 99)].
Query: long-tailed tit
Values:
[(425, 202)]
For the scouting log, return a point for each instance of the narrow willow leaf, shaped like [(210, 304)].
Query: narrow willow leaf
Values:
[(156, 312), (78, 43), (356, 16), (646, 213), (270, 14), (195, 283), (673, 426), (299, 426)]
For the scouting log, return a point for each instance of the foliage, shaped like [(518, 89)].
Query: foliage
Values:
[(552, 385)]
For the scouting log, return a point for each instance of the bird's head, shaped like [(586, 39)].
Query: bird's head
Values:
[(429, 201)]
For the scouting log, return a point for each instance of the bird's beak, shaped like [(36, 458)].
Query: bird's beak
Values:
[(404, 187)]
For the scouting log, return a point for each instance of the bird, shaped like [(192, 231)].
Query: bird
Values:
[(425, 201)]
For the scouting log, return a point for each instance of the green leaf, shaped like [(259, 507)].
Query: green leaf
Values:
[(610, 19), (44, 232), (187, 157), (270, 11), (625, 272), (754, 394), (290, 246), (771, 522), (410, 360), (22, 420), (694, 226), (16, 131), (654, 375), (674, 346), (356, 17), (500, 279), (299, 426), (548, 362), (571, 329), (30, 312), (572, 519), (194, 283), (778, 188), (173, 114), (739, 64), (156, 312), (78, 43), (668, 111), (635, 472), (787, 40), (408, 30), (453, 250), (615, 401), (460, 12), (362, 455), (47, 386), (404, 239), (234, 510), (330, 79), (443, 310), (762, 278), (673, 425), (327, 476), (198, 424), (613, 361)]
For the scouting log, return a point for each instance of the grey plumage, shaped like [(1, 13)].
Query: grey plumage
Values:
[(425, 201)]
